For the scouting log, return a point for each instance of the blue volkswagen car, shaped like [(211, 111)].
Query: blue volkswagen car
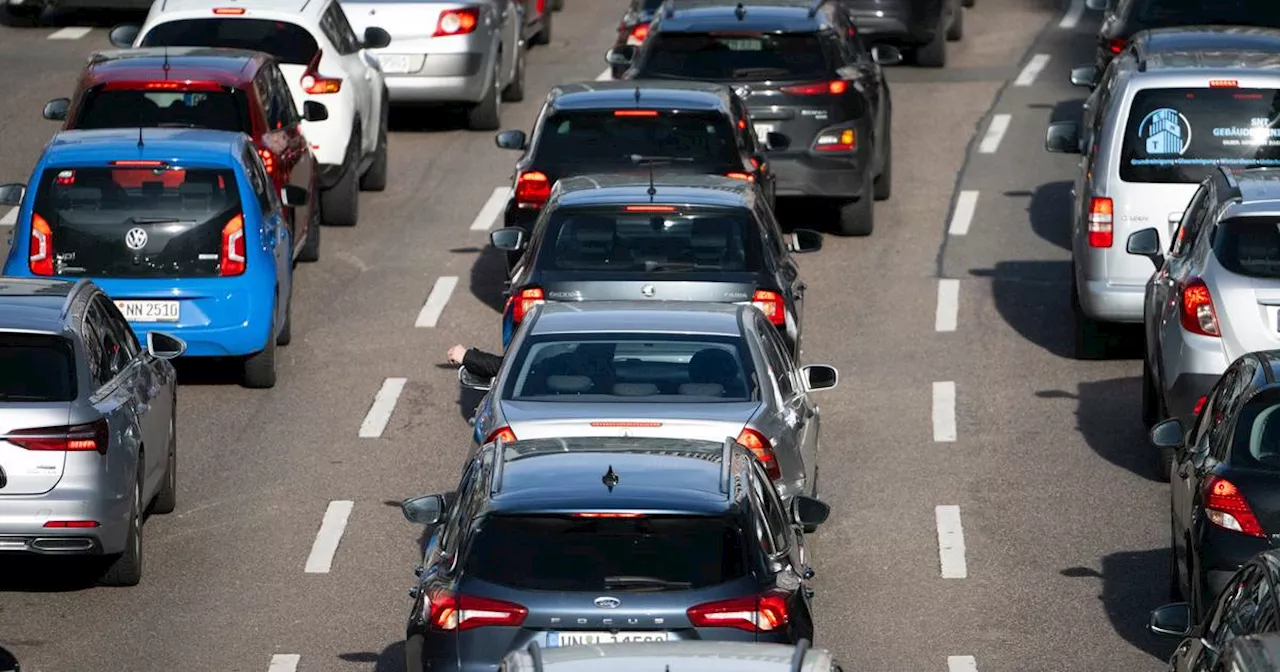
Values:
[(182, 228)]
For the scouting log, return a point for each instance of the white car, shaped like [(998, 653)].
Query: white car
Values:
[(321, 58)]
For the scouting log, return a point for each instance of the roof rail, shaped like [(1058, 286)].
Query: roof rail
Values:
[(71, 295), (797, 659), (499, 462), (726, 465), (536, 654)]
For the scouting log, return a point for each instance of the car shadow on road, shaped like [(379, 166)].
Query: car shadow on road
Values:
[(425, 119), (1063, 110), (390, 660), (1109, 418), (1129, 591), (489, 277), (208, 371), (45, 574), (1049, 211)]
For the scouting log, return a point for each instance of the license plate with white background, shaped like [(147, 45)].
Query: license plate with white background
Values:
[(149, 311), (555, 639), (763, 131), (394, 64)]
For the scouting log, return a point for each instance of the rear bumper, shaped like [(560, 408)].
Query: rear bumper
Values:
[(908, 23), (1222, 553), (1107, 302), (441, 78), (233, 321), (22, 520), (807, 174)]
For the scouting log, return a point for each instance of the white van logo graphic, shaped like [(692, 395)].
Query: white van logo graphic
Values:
[(1166, 132)]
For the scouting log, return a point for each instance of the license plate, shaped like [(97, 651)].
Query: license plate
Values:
[(394, 64), (555, 639), (763, 131), (149, 311)]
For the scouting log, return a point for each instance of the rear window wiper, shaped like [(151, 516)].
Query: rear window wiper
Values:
[(674, 266), (644, 582), (742, 73), (154, 220)]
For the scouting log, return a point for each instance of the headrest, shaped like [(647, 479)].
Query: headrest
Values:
[(702, 389), (710, 233), (635, 389), (196, 189), (81, 194), (568, 384), (594, 232)]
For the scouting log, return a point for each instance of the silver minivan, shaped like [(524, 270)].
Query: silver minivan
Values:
[(1174, 105)]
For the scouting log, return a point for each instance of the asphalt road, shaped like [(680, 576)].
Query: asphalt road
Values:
[(1053, 534)]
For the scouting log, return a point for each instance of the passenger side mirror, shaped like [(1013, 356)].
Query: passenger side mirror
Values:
[(427, 510), (510, 239), (1146, 243), (1168, 434), (56, 109), (313, 111), (293, 196), (165, 346), (886, 55), (124, 35), (1084, 76), (11, 194), (621, 55), (473, 382), (510, 140), (806, 240), (375, 38), (776, 141), (820, 377), (8, 661), (1171, 620), (809, 511), (1063, 137)]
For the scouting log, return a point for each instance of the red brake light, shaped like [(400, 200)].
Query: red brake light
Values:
[(1101, 215), (523, 302), (139, 164), (78, 524), (268, 160), (771, 304), (765, 613), (837, 141), (532, 189), (608, 514), (91, 436), (745, 177), (1116, 45), (233, 251), (635, 113), (1227, 508), (162, 86), (464, 612), (763, 451), (1200, 404), (503, 433), (640, 32), (228, 11), (40, 257), (457, 21), (1223, 83), (1198, 315), (834, 88), (650, 208)]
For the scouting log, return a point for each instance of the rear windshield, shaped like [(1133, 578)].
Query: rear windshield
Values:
[(736, 56), (683, 241), (610, 138), (136, 222), (110, 107), (36, 368), (1156, 13), (287, 42), (1180, 135), (632, 368), (593, 554), (1249, 246)]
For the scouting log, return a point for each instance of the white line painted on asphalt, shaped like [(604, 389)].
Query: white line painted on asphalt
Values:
[(605, 76), (944, 318), (961, 664), (284, 662), (436, 301), (10, 218), (966, 203), (492, 208), (384, 404), (951, 542), (995, 133), (1074, 11), (1032, 70), (326, 545), (944, 411), (70, 33)]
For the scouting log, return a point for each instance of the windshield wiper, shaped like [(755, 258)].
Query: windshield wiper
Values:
[(154, 220), (644, 582)]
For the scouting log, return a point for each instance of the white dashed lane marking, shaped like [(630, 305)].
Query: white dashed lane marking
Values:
[(284, 662), (329, 536), (951, 543), (9, 218), (944, 412), (1032, 70), (961, 664), (70, 33), (384, 404), (492, 208), (1072, 17), (948, 305), (436, 301), (962, 218), (606, 75), (995, 133)]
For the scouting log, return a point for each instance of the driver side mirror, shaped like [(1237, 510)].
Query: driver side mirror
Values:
[(1146, 243), (293, 196), (313, 111), (1168, 434), (621, 55), (1063, 137), (11, 194), (809, 511), (473, 382), (510, 238), (776, 141), (427, 510), (819, 377), (165, 346), (886, 55), (510, 140), (123, 36), (1171, 620), (805, 240), (1084, 75), (375, 38), (56, 109)]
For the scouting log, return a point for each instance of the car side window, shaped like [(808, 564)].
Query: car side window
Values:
[(336, 27), (759, 521), (1240, 615), (1223, 409), (288, 111), (779, 361), (771, 230), (454, 518), (1205, 420), (95, 352), (1184, 236), (270, 100), (109, 352), (262, 186), (774, 515), (119, 327)]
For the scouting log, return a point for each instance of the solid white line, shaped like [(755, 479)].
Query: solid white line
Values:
[(71, 33), (1072, 17), (944, 411), (10, 218), (491, 209), (944, 318), (951, 543), (995, 133), (1033, 69), (605, 76), (961, 664), (384, 404), (966, 203), (284, 662), (326, 544), (436, 301)]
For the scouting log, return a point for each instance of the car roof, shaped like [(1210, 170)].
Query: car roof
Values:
[(1209, 38), (653, 93), (676, 317), (720, 656), (34, 304), (295, 7), (227, 67), (767, 15), (180, 145), (680, 189)]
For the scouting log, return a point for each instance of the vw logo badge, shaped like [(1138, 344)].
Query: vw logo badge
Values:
[(647, 290), (135, 239), (608, 602)]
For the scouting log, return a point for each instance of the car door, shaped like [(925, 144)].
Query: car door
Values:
[(146, 383), (1184, 482), (274, 233), (1163, 302), (787, 424), (115, 395), (362, 68), (1236, 613)]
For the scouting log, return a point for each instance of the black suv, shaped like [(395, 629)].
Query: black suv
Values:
[(694, 238), (1126, 19), (812, 89), (588, 541), (922, 26), (598, 127)]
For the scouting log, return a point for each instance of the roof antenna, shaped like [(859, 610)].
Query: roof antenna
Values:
[(740, 11), (637, 96), (140, 143), (610, 479), (166, 63), (652, 190)]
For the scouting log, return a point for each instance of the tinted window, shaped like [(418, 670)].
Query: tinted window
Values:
[(1249, 246), (1256, 442), (114, 356), (643, 367), (136, 222), (36, 368), (601, 239), (606, 139), (288, 42), (775, 356), (737, 56), (651, 5), (220, 110), (581, 554), (1180, 135), (119, 328), (1219, 12), (334, 23)]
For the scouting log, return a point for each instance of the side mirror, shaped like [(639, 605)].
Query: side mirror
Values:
[(165, 346), (1063, 137), (510, 239), (510, 140), (11, 194), (809, 511), (820, 377), (1168, 434), (313, 111), (806, 240), (1084, 75), (8, 661), (375, 38), (428, 510), (776, 141), (621, 55), (1146, 243), (293, 196), (472, 381), (124, 35), (886, 55), (56, 110), (1171, 620)]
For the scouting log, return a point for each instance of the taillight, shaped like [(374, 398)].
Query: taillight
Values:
[(640, 32), (523, 302), (1200, 405), (1198, 315), (1227, 508), (503, 433), (532, 189), (837, 141), (763, 450), (232, 255), (1116, 44), (268, 160), (457, 21), (1224, 83), (90, 436), (76, 524), (745, 177), (771, 304), (1101, 216), (40, 257), (313, 83), (455, 613), (764, 613), (834, 88)]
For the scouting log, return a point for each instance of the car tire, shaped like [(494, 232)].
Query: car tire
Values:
[(20, 16), (859, 217), (955, 32), (514, 92), (544, 36), (166, 500), (341, 202), (125, 569), (882, 187), (310, 251), (286, 332), (1092, 339), (259, 371), (375, 178), (933, 54), (487, 114)]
